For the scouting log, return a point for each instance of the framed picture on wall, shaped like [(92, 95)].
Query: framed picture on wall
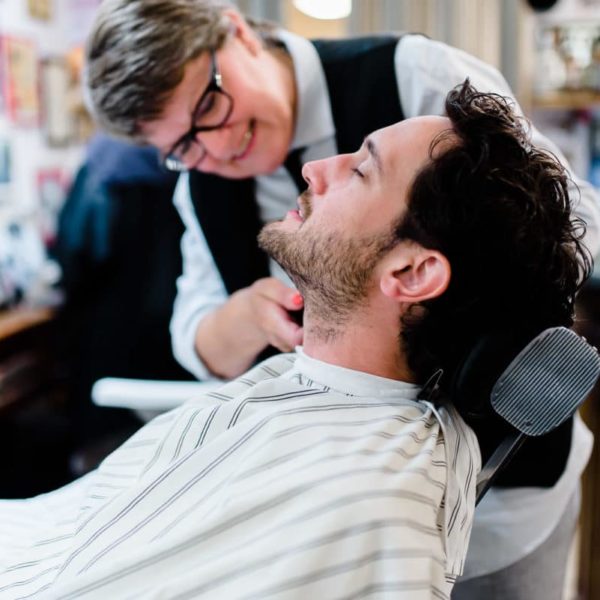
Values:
[(52, 186), (56, 104), (82, 122), (20, 80), (40, 9), (4, 161), (3, 104), (5, 170)]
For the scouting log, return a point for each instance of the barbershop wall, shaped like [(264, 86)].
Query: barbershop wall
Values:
[(472, 25), (35, 44), (42, 132)]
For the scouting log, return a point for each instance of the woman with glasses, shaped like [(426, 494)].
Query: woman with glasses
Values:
[(239, 107)]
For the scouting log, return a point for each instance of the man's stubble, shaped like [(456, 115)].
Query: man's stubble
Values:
[(332, 272)]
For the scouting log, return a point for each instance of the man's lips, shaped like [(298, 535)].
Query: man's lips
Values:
[(295, 216)]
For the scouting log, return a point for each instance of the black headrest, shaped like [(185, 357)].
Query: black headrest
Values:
[(532, 381)]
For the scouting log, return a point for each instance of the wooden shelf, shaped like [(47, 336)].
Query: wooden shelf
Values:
[(567, 100), (15, 320), (27, 357)]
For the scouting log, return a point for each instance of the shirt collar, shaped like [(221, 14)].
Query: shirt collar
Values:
[(314, 120), (355, 383)]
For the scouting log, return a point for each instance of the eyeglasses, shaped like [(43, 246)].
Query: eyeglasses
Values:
[(211, 112)]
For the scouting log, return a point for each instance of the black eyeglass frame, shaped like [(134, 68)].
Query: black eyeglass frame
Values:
[(170, 160)]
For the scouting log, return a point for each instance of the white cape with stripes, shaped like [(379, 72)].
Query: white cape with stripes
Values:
[(298, 480)]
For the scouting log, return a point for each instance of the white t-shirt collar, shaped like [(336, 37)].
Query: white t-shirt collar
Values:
[(349, 381)]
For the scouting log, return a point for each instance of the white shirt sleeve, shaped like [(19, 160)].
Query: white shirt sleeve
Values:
[(426, 70), (200, 288)]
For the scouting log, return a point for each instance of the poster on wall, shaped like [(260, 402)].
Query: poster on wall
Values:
[(58, 121), (52, 186), (20, 80), (5, 170), (82, 123), (2, 77), (4, 161), (40, 9)]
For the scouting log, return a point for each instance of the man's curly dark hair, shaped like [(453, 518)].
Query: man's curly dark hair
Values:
[(498, 209)]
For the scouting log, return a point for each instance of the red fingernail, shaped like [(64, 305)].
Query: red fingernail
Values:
[(298, 300)]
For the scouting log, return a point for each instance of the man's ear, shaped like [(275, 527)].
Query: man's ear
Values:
[(414, 274), (242, 31)]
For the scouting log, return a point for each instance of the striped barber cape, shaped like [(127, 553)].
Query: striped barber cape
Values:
[(297, 480)]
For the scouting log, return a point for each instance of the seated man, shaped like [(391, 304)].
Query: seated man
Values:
[(321, 474)]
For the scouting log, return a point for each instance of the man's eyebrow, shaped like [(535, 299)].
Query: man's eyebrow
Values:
[(374, 152)]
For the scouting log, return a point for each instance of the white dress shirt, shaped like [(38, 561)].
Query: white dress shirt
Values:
[(298, 480), (426, 70)]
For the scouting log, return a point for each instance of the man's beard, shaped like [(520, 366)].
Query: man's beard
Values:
[(332, 273)]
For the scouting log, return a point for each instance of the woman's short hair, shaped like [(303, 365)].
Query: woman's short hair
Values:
[(137, 52)]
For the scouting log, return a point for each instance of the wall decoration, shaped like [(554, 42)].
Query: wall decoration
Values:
[(5, 171), (3, 103), (40, 9), (58, 122), (52, 185), (82, 123), (20, 80), (5, 160)]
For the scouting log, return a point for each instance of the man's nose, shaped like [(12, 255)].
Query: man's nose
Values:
[(325, 173), (314, 174)]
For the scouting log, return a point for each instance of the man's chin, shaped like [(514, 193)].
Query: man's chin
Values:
[(271, 238), (282, 231), (278, 242)]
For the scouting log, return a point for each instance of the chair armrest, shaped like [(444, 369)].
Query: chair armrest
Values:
[(143, 394)]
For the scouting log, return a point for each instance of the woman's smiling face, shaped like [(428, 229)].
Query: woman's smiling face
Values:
[(256, 137)]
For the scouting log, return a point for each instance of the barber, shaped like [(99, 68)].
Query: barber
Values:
[(239, 107)]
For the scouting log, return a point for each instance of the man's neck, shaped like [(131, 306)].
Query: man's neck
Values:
[(368, 345)]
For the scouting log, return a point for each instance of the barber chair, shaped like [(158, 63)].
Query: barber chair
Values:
[(512, 389)]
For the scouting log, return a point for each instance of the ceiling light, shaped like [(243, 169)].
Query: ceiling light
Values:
[(325, 9)]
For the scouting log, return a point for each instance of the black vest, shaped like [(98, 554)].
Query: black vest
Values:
[(364, 97)]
